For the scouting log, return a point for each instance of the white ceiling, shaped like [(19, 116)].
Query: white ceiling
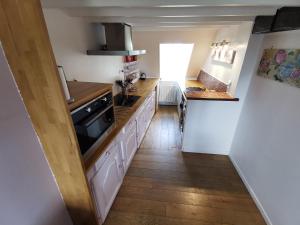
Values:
[(150, 14)]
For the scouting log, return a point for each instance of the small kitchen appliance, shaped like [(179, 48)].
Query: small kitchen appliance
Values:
[(93, 122), (143, 76)]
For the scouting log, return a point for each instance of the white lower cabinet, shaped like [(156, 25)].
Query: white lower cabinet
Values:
[(129, 143), (106, 176), (144, 117), (141, 125), (150, 109), (106, 181)]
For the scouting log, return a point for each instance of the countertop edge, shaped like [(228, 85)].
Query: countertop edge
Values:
[(214, 99), (182, 88), (105, 87)]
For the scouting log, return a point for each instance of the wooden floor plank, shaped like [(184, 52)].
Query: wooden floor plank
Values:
[(165, 186), (203, 171), (192, 179), (181, 186), (212, 215), (124, 218), (141, 206), (188, 198), (182, 160)]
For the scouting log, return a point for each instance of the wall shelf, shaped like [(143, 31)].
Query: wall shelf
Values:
[(116, 53)]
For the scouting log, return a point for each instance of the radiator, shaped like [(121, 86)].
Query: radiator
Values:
[(168, 91)]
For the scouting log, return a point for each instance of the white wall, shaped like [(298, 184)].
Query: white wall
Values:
[(210, 125), (150, 40), (28, 191), (70, 38), (266, 143), (238, 36)]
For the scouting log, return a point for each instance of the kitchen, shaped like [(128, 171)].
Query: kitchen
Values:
[(178, 152)]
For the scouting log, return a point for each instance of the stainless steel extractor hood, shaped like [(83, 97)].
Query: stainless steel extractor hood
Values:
[(114, 39)]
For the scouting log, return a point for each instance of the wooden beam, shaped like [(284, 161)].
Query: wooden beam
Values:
[(27, 47), (165, 3), (166, 22), (163, 20), (171, 12)]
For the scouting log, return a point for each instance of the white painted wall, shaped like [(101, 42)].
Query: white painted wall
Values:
[(28, 191), (210, 125), (150, 41), (266, 142), (70, 38), (238, 36)]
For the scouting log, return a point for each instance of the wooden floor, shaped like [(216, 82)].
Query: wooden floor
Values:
[(164, 186)]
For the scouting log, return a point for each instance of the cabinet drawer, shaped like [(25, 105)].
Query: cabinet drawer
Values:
[(109, 150), (92, 171), (104, 156)]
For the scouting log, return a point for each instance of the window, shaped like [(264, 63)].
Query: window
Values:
[(174, 60)]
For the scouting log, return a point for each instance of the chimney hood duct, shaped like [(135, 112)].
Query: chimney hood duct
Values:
[(114, 39)]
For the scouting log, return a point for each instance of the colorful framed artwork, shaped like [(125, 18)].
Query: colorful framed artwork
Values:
[(282, 65)]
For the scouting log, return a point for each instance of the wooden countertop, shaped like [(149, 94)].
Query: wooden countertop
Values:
[(203, 95), (82, 92), (123, 115)]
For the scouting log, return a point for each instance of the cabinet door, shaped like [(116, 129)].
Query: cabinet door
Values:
[(107, 181), (141, 125), (148, 114), (129, 144), (150, 110)]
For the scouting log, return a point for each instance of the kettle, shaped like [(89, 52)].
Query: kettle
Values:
[(143, 76)]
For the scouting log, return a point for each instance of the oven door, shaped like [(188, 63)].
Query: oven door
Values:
[(91, 130)]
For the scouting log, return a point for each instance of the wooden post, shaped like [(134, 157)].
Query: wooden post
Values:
[(27, 47)]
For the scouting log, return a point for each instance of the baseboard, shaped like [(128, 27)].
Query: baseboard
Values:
[(252, 193), (167, 103), (205, 152)]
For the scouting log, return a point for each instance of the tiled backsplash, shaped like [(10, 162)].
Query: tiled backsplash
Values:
[(210, 82)]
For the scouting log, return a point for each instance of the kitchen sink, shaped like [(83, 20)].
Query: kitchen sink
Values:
[(122, 100), (188, 89)]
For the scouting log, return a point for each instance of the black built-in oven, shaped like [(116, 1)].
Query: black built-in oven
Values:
[(93, 121)]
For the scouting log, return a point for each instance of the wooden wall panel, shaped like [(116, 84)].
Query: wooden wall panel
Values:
[(26, 43)]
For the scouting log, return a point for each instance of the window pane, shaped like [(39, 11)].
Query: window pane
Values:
[(174, 60)]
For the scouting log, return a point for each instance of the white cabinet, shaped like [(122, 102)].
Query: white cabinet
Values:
[(144, 116), (141, 125), (129, 143), (106, 176), (107, 180), (149, 109), (152, 106)]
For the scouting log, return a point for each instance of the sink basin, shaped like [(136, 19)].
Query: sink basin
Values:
[(121, 100), (188, 89)]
